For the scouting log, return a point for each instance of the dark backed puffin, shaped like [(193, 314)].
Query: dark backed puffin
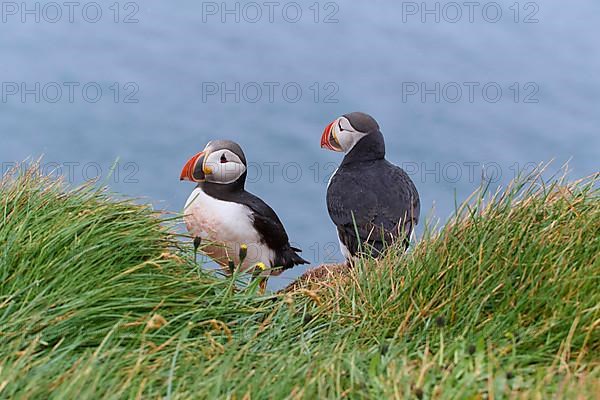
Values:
[(221, 212), (367, 194)]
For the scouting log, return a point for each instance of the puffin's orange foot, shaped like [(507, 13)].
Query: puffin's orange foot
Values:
[(262, 285)]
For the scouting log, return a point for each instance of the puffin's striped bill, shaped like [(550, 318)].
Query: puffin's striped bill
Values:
[(187, 174), (328, 139)]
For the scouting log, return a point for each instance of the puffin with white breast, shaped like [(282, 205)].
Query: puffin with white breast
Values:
[(372, 202), (221, 212)]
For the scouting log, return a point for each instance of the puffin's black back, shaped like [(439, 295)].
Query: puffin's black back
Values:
[(370, 195)]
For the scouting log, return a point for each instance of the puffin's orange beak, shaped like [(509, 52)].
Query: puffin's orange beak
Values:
[(187, 174), (328, 139)]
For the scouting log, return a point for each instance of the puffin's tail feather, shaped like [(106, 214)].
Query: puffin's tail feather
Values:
[(299, 260), (288, 258)]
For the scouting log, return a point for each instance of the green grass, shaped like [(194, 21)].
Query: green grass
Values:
[(98, 300)]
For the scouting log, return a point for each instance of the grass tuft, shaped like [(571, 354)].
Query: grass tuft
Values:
[(99, 299)]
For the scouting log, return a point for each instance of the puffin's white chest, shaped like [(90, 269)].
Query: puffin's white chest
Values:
[(218, 220), (228, 225)]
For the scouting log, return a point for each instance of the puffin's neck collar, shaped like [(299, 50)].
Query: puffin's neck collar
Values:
[(371, 147), (217, 190)]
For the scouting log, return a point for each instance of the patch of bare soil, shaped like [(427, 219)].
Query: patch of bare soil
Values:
[(315, 276)]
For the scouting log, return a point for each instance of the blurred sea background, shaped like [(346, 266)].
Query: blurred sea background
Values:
[(459, 93)]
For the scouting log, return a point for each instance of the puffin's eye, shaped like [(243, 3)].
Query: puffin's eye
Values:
[(340, 125), (223, 159)]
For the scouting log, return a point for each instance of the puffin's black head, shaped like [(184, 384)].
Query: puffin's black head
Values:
[(222, 162), (343, 133)]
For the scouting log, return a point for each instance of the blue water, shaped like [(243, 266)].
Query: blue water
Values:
[(168, 64)]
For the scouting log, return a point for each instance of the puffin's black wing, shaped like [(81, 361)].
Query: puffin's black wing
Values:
[(377, 200), (267, 224)]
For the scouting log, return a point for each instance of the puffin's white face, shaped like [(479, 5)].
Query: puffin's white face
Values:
[(215, 165), (223, 166), (341, 136)]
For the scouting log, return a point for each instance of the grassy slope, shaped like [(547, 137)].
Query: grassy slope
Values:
[(97, 300)]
